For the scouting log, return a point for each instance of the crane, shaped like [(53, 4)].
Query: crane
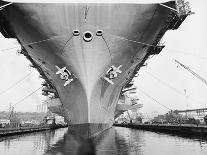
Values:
[(192, 72)]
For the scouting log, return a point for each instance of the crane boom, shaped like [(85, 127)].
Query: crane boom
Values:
[(192, 72)]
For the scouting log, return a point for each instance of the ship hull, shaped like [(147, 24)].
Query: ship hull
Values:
[(88, 101)]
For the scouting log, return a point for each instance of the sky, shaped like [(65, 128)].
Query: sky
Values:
[(162, 79), (187, 45)]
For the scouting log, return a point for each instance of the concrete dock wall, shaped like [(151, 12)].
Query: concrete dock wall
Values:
[(22, 130), (178, 129)]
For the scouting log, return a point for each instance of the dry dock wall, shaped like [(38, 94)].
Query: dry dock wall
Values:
[(22, 130), (184, 129)]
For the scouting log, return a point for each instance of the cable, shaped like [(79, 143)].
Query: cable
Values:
[(164, 83), (147, 45), (26, 97), (3, 6), (66, 44), (14, 84), (32, 43), (138, 42), (152, 98), (108, 49), (172, 88), (166, 48), (168, 7)]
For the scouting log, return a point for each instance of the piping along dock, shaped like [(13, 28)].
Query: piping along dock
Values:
[(23, 130), (181, 129)]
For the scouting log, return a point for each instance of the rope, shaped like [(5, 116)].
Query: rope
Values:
[(32, 43), (14, 84)]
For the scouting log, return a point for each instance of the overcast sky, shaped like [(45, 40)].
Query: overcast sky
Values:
[(187, 45), (162, 79)]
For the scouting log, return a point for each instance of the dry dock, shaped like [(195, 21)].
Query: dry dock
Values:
[(183, 129), (22, 130)]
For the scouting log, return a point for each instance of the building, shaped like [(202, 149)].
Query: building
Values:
[(4, 123)]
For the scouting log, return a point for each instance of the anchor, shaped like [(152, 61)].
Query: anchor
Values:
[(112, 73), (64, 75)]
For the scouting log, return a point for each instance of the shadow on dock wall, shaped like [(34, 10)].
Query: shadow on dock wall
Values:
[(175, 130)]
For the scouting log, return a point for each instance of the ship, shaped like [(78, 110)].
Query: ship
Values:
[(89, 53)]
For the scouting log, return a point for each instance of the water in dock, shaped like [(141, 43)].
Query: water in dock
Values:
[(117, 140)]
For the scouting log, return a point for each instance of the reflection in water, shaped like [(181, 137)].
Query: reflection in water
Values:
[(114, 141)]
